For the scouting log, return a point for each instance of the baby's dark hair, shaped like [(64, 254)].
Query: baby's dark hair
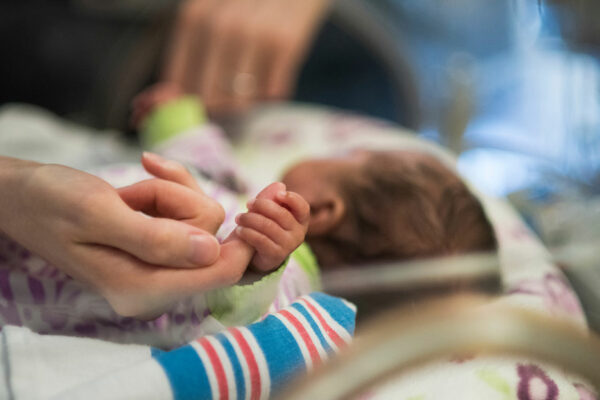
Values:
[(406, 205)]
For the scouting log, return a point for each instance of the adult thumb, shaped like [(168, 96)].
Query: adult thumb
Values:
[(159, 241)]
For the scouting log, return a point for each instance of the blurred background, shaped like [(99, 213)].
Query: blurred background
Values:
[(512, 86)]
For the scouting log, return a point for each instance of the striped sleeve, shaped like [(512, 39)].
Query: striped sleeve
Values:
[(256, 361)]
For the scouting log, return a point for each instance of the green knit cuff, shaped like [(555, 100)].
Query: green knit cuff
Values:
[(244, 304), (170, 119)]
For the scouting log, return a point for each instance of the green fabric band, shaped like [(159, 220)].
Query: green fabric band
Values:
[(170, 119), (244, 304)]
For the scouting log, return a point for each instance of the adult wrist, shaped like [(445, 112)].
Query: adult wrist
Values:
[(14, 174)]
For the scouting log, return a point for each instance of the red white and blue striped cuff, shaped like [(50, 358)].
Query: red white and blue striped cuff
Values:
[(256, 361)]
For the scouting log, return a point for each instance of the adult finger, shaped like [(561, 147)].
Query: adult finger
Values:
[(157, 197), (188, 43), (160, 198), (221, 56), (169, 170), (159, 241), (283, 67), (298, 21), (283, 49), (250, 73)]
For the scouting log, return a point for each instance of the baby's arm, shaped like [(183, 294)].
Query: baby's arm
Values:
[(275, 225)]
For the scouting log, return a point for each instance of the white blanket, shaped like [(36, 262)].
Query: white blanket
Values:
[(45, 367)]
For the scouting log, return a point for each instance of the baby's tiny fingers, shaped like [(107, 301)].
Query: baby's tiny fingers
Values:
[(261, 243), (261, 224), (273, 211), (296, 204)]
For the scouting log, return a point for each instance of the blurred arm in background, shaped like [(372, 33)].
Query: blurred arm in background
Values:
[(234, 52)]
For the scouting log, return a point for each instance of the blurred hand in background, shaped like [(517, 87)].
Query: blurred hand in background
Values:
[(233, 53)]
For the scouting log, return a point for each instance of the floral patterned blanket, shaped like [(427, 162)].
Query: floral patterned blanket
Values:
[(530, 279)]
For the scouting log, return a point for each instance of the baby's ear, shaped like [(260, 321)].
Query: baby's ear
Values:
[(270, 192), (325, 214)]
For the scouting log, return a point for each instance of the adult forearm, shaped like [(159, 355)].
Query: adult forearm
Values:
[(14, 174)]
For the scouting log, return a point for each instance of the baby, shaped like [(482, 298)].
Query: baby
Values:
[(369, 205)]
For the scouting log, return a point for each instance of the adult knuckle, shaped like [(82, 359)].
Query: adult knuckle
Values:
[(191, 13), (158, 243)]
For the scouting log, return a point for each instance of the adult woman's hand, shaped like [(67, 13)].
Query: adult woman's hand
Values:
[(80, 224), (173, 194), (235, 52)]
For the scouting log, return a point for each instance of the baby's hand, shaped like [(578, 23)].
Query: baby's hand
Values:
[(275, 225)]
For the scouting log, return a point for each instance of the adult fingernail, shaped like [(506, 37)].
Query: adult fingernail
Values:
[(204, 249), (153, 157), (281, 195)]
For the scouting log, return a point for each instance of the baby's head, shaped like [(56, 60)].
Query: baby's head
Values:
[(376, 206)]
